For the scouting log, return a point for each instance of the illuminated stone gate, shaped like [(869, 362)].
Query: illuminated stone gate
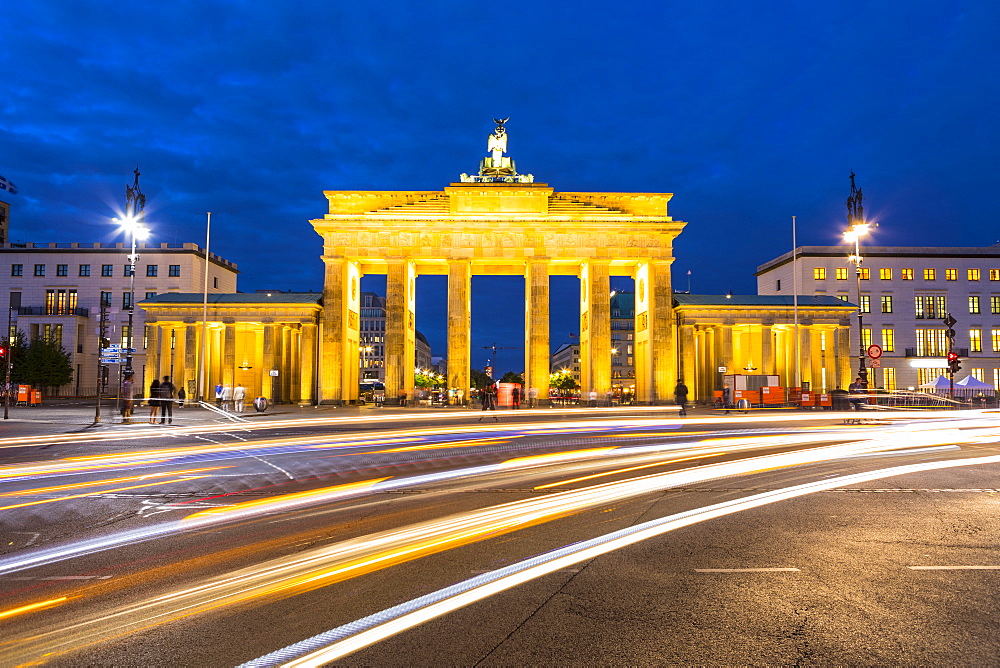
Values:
[(497, 223)]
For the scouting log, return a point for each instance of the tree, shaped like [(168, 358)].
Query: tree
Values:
[(41, 363), (478, 378), (511, 377), (425, 379), (562, 380)]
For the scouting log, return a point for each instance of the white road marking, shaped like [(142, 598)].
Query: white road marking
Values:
[(746, 570), (954, 568)]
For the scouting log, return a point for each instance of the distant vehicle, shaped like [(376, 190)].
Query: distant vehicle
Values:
[(371, 391)]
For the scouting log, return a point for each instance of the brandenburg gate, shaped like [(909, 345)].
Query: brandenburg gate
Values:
[(493, 223)]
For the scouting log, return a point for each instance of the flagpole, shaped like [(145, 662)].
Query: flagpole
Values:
[(204, 315), (795, 303)]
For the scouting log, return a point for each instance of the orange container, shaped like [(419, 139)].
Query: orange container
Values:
[(773, 395), (825, 400), (22, 393), (753, 396), (36, 397), (808, 399)]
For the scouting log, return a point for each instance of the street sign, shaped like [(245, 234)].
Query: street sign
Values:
[(273, 372), (950, 321), (722, 369), (874, 351), (111, 360), (874, 364)]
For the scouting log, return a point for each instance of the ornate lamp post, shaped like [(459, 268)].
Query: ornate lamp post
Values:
[(857, 228), (134, 223)]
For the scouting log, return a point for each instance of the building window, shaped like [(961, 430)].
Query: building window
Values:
[(777, 288), (974, 304), (886, 303), (215, 281), (152, 270), (150, 295), (39, 270), (888, 339), (866, 303), (50, 302), (107, 270), (996, 379), (127, 270), (975, 340), (126, 301), (890, 378), (930, 306), (85, 270), (175, 270), (885, 273), (841, 273), (105, 299), (951, 274), (995, 305), (973, 274), (906, 274), (995, 336), (842, 296), (979, 375), (866, 336), (819, 273), (865, 273), (17, 270), (62, 270), (933, 342), (925, 376), (995, 274), (930, 274), (125, 337)]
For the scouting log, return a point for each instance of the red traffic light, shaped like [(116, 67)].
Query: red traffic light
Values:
[(952, 357), (3, 352)]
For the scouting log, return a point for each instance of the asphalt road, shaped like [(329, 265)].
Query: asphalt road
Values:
[(712, 541)]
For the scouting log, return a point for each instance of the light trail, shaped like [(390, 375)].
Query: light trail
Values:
[(106, 491), (605, 474), (317, 567), (346, 639), (31, 607)]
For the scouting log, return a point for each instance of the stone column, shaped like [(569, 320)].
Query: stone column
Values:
[(656, 365), (459, 326), (267, 362), (766, 350), (536, 329), (307, 377), (842, 358), (340, 336), (595, 328), (229, 354), (400, 289), (689, 367), (152, 356), (287, 362), (190, 361), (805, 354)]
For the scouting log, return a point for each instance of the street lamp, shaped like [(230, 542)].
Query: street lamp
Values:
[(365, 351), (857, 228), (134, 224)]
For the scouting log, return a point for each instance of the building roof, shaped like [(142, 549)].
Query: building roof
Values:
[(759, 300), (623, 302), (236, 298), (883, 251)]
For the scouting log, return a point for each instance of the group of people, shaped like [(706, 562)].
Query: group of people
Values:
[(161, 399), (230, 398)]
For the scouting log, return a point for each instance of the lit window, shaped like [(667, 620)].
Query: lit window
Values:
[(866, 304), (995, 305), (890, 378), (886, 303), (888, 339), (973, 274), (974, 304), (841, 273), (819, 273), (995, 274), (951, 274), (865, 273), (995, 335), (933, 342), (866, 336), (979, 374), (976, 340), (885, 273), (842, 296), (930, 274), (906, 274)]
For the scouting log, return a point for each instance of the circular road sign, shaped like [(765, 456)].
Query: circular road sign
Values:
[(874, 351)]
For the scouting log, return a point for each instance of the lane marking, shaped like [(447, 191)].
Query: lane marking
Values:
[(954, 568), (746, 570)]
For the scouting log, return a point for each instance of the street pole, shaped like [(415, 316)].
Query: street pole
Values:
[(204, 316), (858, 228), (795, 307), (10, 353), (135, 204)]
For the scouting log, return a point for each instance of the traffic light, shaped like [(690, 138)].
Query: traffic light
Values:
[(954, 364), (3, 352)]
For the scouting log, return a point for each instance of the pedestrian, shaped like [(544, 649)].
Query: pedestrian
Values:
[(181, 396), (681, 396), (856, 389), (488, 397), (167, 400), (127, 390), (532, 396), (593, 398), (727, 397), (218, 395), (515, 398), (154, 400), (401, 397), (227, 397), (239, 394)]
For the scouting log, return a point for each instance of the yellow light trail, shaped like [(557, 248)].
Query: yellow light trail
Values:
[(626, 470), (450, 444), (110, 481), (33, 606), (553, 457), (105, 491), (288, 500)]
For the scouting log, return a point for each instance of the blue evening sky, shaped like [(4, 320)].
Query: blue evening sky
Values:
[(749, 112)]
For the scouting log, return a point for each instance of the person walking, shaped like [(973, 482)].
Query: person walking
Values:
[(218, 395), (488, 397), (515, 398), (166, 400), (227, 397), (239, 394), (154, 400), (681, 396), (127, 390), (181, 396), (727, 397), (532, 396)]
